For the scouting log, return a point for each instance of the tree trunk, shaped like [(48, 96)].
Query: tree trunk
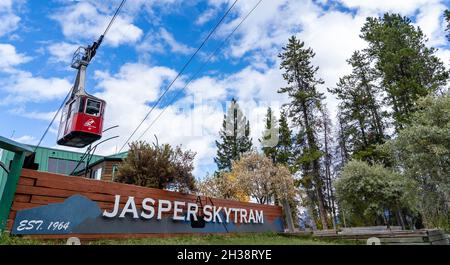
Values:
[(322, 209), (328, 171), (400, 218), (315, 167), (373, 110), (342, 145), (288, 214)]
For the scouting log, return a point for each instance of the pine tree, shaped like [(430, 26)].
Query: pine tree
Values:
[(284, 147), (235, 138), (447, 18), (408, 69), (305, 103), (328, 160), (359, 108), (269, 139), (341, 153)]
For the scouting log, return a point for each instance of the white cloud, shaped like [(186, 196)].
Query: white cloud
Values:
[(195, 129), (128, 94), (26, 139), (444, 55), (36, 115), (431, 20), (10, 21), (84, 21), (10, 58), (268, 27), (207, 88), (62, 52), (136, 83), (193, 121), (406, 7), (162, 41), (23, 87), (173, 44), (5, 4), (149, 44), (332, 34), (206, 16)]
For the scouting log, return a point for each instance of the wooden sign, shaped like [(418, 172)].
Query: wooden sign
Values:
[(51, 205)]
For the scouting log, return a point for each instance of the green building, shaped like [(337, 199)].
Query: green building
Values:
[(64, 162)]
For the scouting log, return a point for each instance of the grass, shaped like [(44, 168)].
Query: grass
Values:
[(6, 239), (232, 239)]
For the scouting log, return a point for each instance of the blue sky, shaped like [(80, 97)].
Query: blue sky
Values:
[(150, 42)]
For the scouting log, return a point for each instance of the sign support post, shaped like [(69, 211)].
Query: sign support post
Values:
[(9, 189)]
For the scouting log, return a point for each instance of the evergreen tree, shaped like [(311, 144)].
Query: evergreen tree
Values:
[(269, 139), (284, 147), (305, 103), (328, 160), (408, 69), (282, 151), (359, 108), (234, 138), (447, 18), (341, 152)]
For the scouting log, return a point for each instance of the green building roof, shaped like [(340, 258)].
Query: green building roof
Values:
[(57, 160)]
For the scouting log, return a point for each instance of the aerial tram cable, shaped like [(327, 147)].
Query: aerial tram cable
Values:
[(114, 17), (179, 74), (83, 114), (211, 55), (53, 120), (81, 60)]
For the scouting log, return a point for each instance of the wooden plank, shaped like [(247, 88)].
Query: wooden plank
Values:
[(22, 197), (9, 224), (67, 193), (393, 235), (17, 206), (437, 237), (404, 240), (37, 199), (158, 194), (368, 228), (387, 234), (421, 244), (26, 181), (325, 232), (113, 188), (441, 242), (97, 186), (434, 232), (12, 215), (62, 193)]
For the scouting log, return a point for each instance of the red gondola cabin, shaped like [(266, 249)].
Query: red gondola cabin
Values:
[(81, 121)]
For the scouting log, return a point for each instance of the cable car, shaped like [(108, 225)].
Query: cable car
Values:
[(82, 117), (81, 121)]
